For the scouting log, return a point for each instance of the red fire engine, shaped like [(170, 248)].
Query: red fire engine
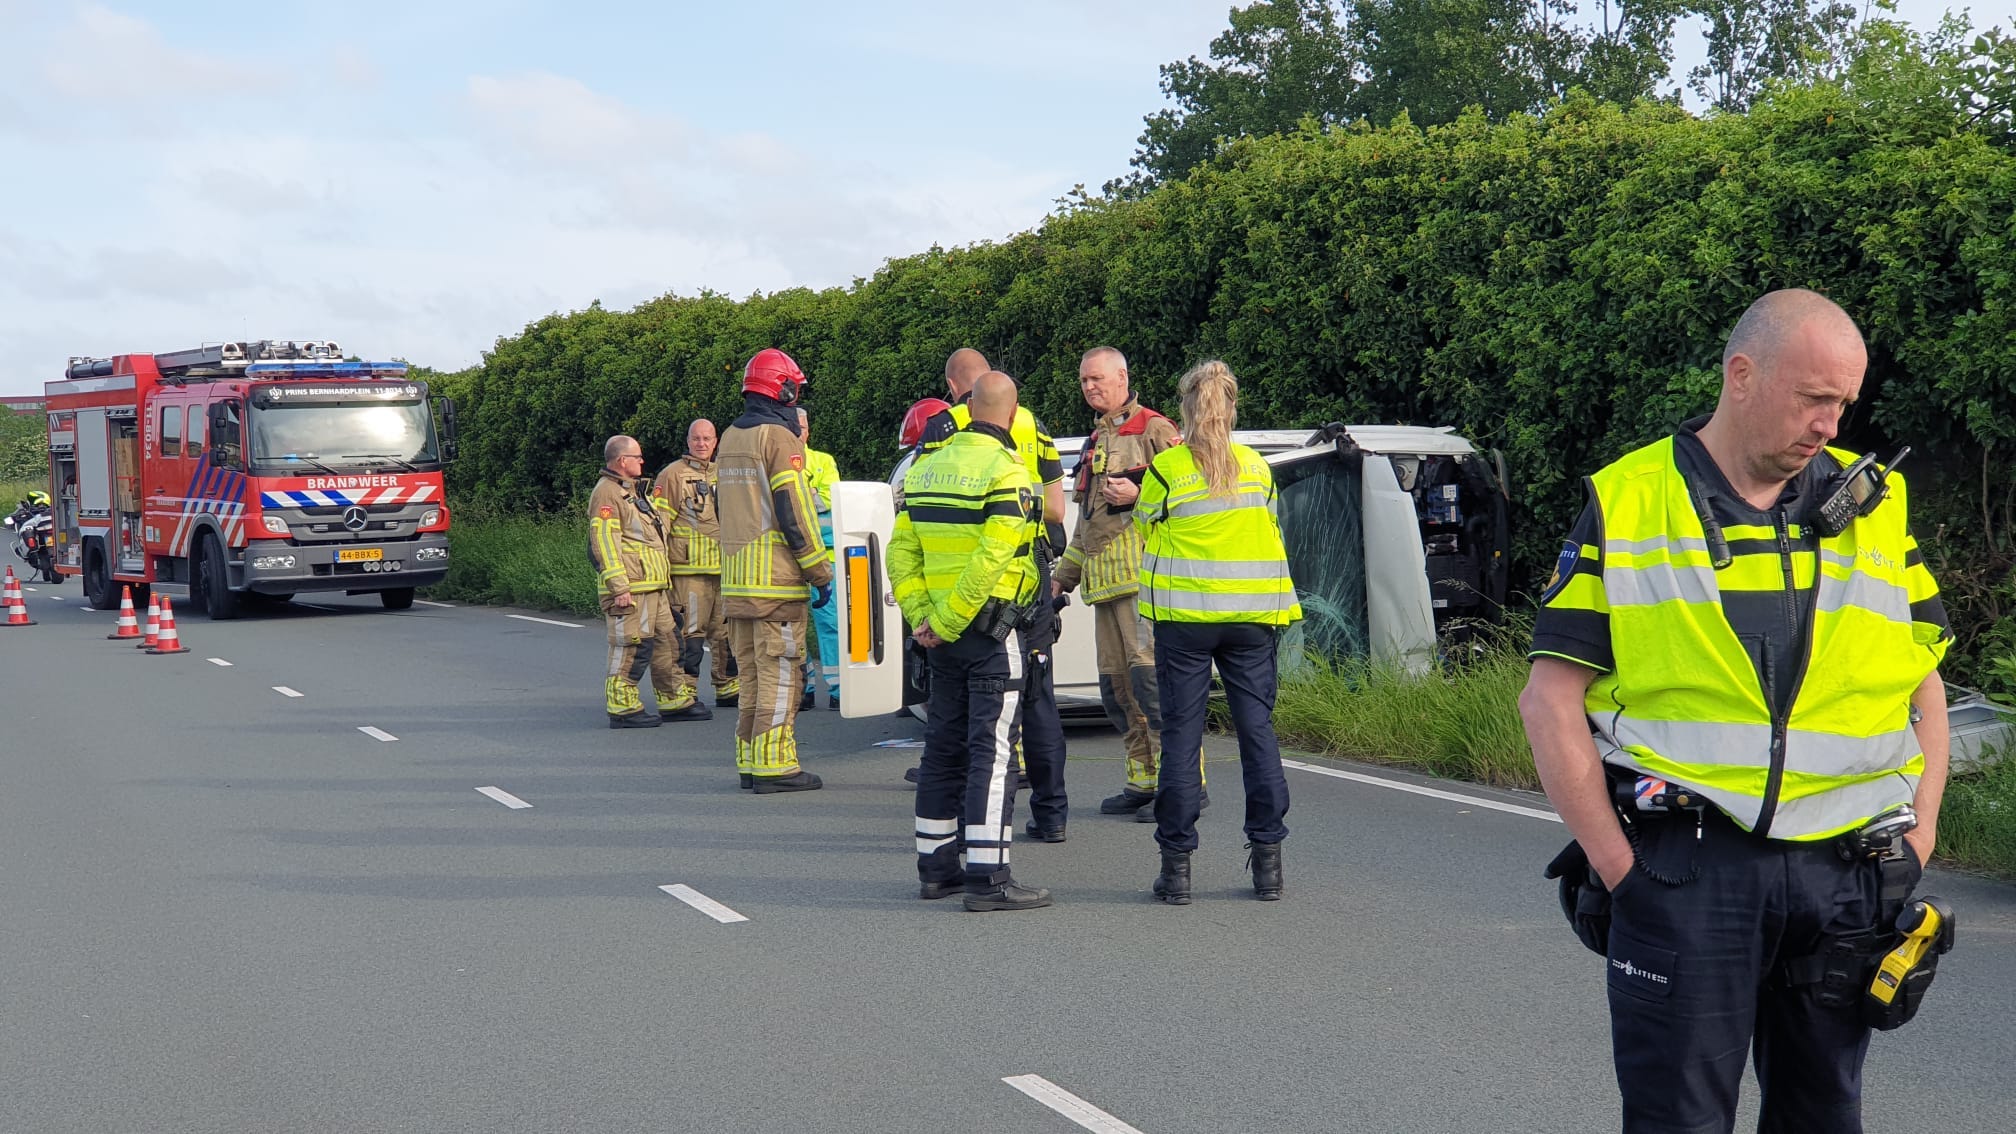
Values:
[(265, 468)]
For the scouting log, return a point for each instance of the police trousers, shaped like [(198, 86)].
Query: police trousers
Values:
[(1698, 977), (1245, 653), (1042, 727), (643, 637), (766, 736), (965, 798)]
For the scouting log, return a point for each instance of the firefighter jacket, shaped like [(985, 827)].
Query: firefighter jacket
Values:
[(686, 497), (770, 545), (821, 473), (626, 539), (1105, 552), (1212, 558), (1687, 701), (966, 533)]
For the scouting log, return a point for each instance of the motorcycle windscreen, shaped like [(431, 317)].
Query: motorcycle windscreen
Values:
[(871, 626), (1319, 498)]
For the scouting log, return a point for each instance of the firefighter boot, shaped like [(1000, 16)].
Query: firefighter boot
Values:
[(800, 780), (1173, 884), (625, 706), (1127, 802), (1265, 861)]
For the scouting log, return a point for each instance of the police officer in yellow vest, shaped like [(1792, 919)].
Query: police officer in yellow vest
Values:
[(686, 492), (1736, 707), (962, 566), (1215, 583), (822, 472), (626, 542)]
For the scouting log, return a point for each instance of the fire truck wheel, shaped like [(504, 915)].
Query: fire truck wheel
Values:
[(213, 583), (399, 598), (98, 581)]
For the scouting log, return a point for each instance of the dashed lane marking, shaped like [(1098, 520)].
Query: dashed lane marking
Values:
[(703, 903), (544, 621), (375, 733), (219, 661), (442, 605), (1069, 1105), (1432, 793), (286, 692), (505, 798)]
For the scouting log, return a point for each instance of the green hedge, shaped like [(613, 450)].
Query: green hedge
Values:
[(1556, 287)]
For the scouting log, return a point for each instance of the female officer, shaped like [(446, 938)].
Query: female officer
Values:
[(1214, 581)]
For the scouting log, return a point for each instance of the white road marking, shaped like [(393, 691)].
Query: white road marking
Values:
[(1432, 793), (30, 590), (1069, 1105), (375, 733), (504, 797), (330, 609), (442, 605), (544, 621), (219, 661), (55, 598), (87, 608), (703, 903), (286, 692)]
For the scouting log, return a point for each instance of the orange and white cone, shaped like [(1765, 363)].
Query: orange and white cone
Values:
[(170, 642), (153, 622), (129, 626), (17, 607), (11, 590)]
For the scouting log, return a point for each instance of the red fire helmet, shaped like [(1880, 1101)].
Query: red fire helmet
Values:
[(773, 374), (913, 422)]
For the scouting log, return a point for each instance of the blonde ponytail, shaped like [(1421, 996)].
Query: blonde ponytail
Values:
[(1210, 409)]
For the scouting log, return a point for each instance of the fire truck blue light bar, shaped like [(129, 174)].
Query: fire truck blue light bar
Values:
[(312, 369)]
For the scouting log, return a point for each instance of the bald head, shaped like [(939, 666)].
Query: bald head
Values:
[(700, 439), (963, 369), (619, 447), (1781, 319), (1792, 367), (994, 399)]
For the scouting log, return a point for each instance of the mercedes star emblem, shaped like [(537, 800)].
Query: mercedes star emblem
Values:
[(355, 518)]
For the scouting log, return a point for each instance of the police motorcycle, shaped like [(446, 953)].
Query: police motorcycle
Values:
[(35, 536)]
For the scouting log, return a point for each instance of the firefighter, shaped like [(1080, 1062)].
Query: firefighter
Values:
[(822, 473), (770, 554), (626, 541), (1735, 706), (1105, 557), (686, 491), (962, 566), (1215, 583)]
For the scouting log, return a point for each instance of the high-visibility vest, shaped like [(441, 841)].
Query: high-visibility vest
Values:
[(966, 534), (821, 474), (1029, 440), (1212, 558), (1684, 702)]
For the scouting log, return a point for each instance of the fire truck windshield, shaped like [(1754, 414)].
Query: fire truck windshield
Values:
[(343, 437)]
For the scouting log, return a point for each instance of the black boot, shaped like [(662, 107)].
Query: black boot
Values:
[(748, 779), (1127, 802), (1173, 884), (796, 781), (1009, 895), (1265, 860)]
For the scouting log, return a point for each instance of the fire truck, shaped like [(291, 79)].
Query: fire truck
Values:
[(243, 469)]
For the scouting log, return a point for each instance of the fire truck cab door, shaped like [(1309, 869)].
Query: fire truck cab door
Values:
[(871, 625)]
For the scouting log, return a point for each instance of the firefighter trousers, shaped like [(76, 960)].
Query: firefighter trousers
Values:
[(1127, 687), (965, 798), (767, 654), (704, 631), (643, 638)]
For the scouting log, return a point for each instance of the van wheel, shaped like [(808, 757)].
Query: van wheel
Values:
[(213, 582), (97, 580), (398, 598)]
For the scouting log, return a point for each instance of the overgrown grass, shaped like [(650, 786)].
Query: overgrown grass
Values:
[(13, 492), (537, 561), (1462, 722)]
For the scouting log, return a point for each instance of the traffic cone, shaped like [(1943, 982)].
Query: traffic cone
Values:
[(170, 642), (17, 607), (153, 623), (129, 626)]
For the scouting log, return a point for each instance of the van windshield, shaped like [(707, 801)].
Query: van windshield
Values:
[(344, 436)]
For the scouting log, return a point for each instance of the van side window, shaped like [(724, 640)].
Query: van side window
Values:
[(198, 423), (171, 431), (225, 444)]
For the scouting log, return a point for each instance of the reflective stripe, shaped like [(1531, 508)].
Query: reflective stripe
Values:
[(1694, 742), (1248, 602), (937, 826), (1654, 583), (1841, 808), (1655, 543), (1867, 593), (1210, 504), (1269, 569), (930, 846)]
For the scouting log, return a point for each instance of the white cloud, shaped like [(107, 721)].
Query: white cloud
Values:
[(107, 56), (547, 118)]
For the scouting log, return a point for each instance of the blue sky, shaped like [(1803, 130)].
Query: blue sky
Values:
[(420, 178)]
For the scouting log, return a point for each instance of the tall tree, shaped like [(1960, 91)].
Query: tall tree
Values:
[(1751, 42)]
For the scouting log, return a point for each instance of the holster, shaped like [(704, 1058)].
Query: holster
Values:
[(1584, 899), (1845, 966)]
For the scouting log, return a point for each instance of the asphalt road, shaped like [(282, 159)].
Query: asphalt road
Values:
[(227, 909)]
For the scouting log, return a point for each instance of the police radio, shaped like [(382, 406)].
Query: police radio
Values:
[(1855, 491)]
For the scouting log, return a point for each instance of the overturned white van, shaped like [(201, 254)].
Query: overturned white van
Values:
[(1397, 538)]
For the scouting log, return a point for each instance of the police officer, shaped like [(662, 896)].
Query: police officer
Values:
[(962, 566), (770, 555), (685, 492), (1215, 584), (822, 473), (1042, 727), (627, 545), (1105, 556), (1755, 650)]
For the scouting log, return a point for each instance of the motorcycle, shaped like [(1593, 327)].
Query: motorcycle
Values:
[(35, 540)]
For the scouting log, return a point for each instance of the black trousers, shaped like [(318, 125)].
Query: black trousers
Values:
[(1246, 654), (965, 798), (1042, 728), (1697, 979)]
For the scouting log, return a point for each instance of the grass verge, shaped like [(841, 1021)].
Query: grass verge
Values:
[(1462, 723), (536, 561), (13, 492)]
